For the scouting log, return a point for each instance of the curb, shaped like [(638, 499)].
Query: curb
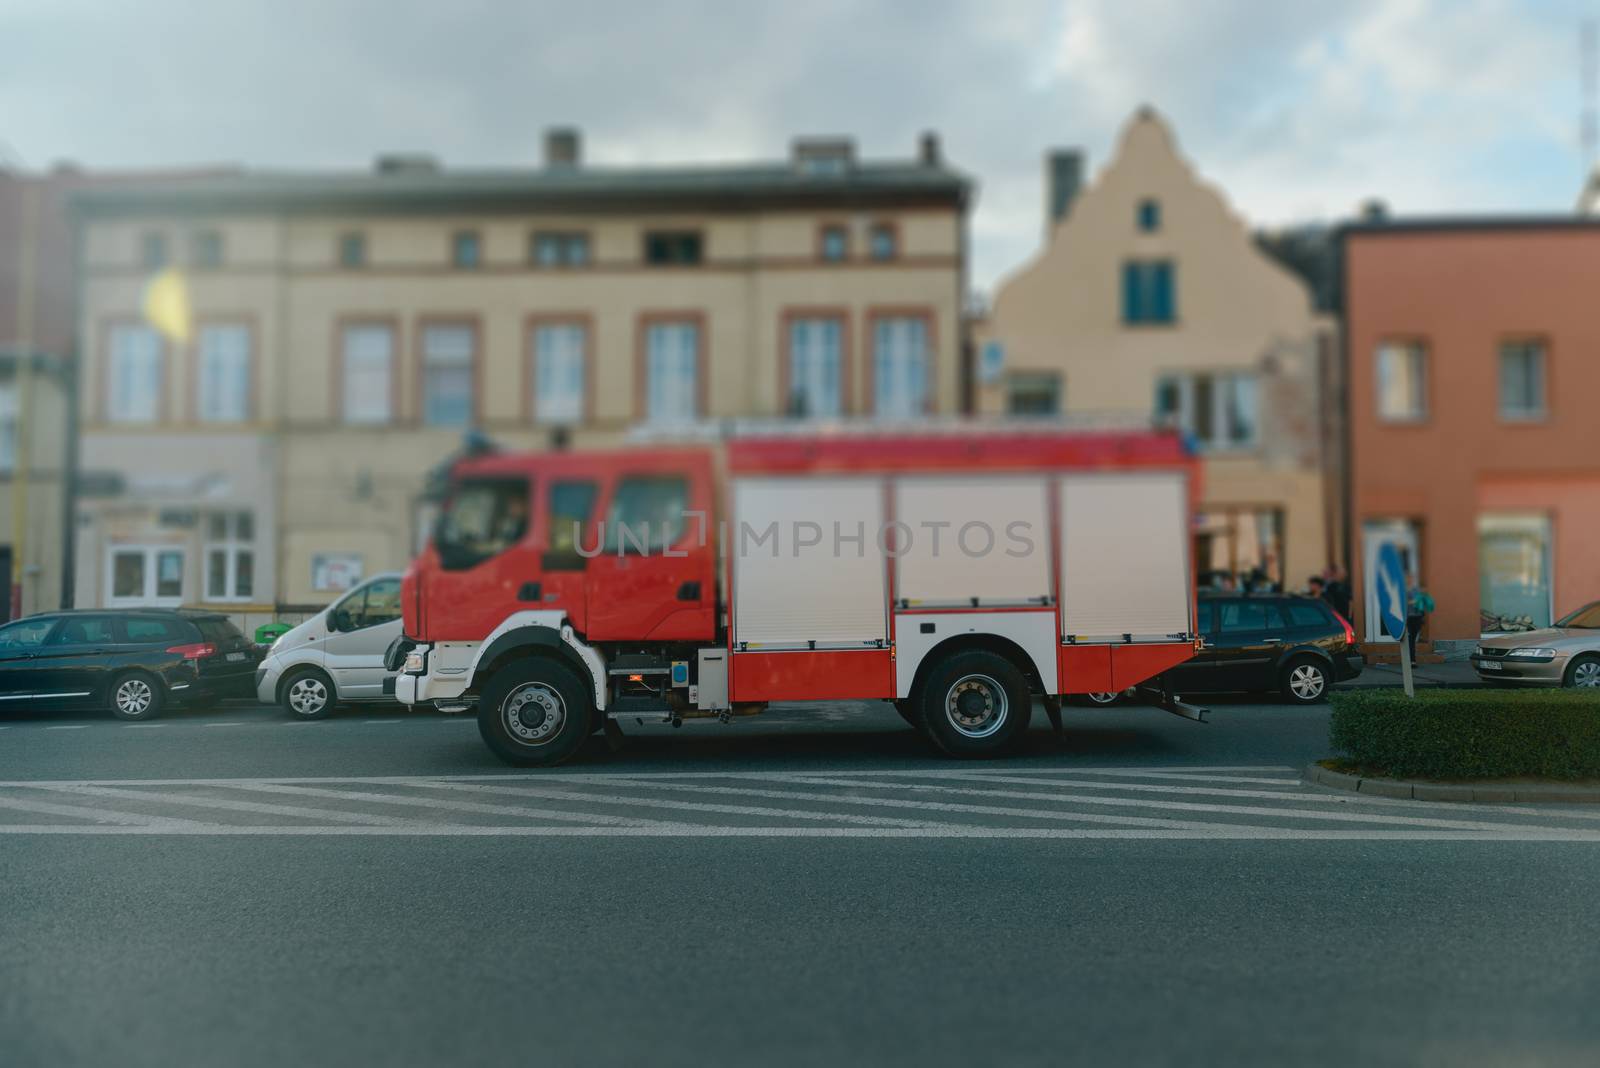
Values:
[(1447, 791)]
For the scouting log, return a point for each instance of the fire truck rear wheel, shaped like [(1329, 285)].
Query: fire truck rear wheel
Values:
[(535, 712), (976, 704)]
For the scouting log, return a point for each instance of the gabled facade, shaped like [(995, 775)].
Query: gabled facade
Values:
[(1150, 296)]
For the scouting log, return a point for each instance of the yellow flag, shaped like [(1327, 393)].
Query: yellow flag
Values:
[(166, 305)]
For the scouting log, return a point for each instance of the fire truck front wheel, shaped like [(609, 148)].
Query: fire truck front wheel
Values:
[(976, 704), (535, 712)]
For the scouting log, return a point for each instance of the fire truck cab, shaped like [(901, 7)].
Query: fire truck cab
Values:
[(960, 574)]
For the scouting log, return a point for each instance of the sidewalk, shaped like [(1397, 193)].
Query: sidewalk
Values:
[(1451, 674)]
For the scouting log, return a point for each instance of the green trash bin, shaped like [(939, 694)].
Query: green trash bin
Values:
[(268, 633)]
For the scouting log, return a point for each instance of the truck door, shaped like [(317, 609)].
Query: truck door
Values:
[(655, 576), (486, 565)]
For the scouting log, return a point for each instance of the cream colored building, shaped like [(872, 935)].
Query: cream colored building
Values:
[(1150, 296), (33, 447), (350, 328)]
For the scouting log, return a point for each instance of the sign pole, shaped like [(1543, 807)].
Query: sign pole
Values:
[(1405, 665)]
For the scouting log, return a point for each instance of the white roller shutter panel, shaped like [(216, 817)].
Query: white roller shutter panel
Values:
[(1124, 555), (1016, 567), (832, 595)]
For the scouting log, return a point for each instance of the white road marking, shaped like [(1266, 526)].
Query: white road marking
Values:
[(231, 723), (143, 726), (98, 814), (225, 804), (456, 806), (66, 727), (370, 721)]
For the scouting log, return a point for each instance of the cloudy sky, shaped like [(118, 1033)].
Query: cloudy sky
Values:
[(1298, 109)]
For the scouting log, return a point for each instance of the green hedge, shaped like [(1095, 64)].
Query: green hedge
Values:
[(1469, 734)]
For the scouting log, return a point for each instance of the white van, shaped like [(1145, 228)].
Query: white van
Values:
[(337, 654)]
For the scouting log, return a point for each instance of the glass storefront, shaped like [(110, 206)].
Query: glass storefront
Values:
[(1240, 542), (1514, 572)]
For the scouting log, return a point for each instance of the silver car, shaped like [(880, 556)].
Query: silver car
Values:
[(1564, 654), (337, 654)]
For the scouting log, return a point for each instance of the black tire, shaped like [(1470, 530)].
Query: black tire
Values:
[(910, 710), (1583, 673), (536, 712), (1306, 680), (136, 696), (975, 704), (307, 693)]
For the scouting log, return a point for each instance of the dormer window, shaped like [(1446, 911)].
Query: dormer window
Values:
[(824, 155)]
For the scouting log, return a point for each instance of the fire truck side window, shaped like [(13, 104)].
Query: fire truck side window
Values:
[(571, 512), (484, 518), (647, 513)]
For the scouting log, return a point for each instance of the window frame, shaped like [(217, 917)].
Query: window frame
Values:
[(930, 352), (108, 371), (150, 596), (890, 228), (530, 365), (344, 243), (1147, 215), (696, 318), (232, 544), (198, 399), (786, 354), (566, 240), (1424, 390), (341, 370), (825, 229), (1139, 286), (474, 327), (649, 237), (453, 558), (1057, 383), (156, 242), (1216, 395), (1523, 345), (207, 251), (458, 240), (10, 423), (619, 544)]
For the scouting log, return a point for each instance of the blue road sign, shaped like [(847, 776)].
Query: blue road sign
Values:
[(1392, 596)]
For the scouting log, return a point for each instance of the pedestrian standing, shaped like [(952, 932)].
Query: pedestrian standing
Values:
[(1417, 614), (1336, 590)]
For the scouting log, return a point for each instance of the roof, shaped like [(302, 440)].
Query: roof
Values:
[(582, 188), (1446, 223)]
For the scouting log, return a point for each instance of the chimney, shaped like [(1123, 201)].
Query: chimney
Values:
[(563, 147), (1374, 210), (1063, 177), (928, 148)]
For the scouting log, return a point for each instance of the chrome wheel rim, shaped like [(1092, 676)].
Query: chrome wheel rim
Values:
[(1307, 682), (976, 706), (134, 697), (308, 696), (533, 713), (1102, 697), (1587, 675)]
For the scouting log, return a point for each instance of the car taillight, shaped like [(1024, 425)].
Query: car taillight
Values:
[(195, 651), (1349, 631)]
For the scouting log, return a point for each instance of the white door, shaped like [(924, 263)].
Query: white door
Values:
[(1374, 532), (360, 628)]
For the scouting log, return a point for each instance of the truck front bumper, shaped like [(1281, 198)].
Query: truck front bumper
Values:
[(419, 684)]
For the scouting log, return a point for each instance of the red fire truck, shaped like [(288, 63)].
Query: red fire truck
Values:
[(957, 572)]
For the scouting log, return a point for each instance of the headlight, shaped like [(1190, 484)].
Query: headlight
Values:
[(414, 660), (1533, 654)]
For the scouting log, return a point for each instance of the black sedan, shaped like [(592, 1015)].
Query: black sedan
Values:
[(132, 661)]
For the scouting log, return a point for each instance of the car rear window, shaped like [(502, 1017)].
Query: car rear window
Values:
[(1243, 615), (1306, 614), (218, 631), (140, 630)]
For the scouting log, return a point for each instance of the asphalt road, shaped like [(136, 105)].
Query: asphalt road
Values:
[(230, 888)]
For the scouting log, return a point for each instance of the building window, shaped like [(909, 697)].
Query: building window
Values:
[(1149, 215), (1222, 411), (466, 249), (353, 249), (558, 372), (670, 248), (144, 575), (1243, 544), (833, 244), (555, 249), (1149, 292), (1033, 393), (815, 371), (205, 248), (134, 374), (900, 367), (153, 250), (449, 351), (1514, 581), (1522, 381), (230, 556), (8, 425), (672, 371), (367, 384), (223, 393), (883, 241), (1402, 382)]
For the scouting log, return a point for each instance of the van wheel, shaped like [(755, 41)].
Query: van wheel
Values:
[(136, 696), (307, 694), (535, 712), (976, 704), (1305, 681)]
